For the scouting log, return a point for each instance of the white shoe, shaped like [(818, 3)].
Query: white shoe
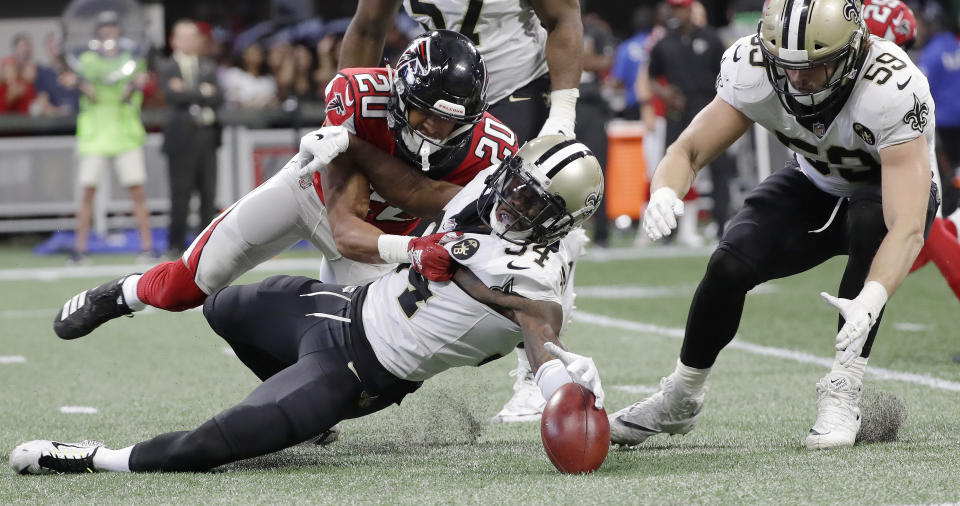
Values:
[(527, 402), (838, 413), (664, 411), (327, 437), (47, 457)]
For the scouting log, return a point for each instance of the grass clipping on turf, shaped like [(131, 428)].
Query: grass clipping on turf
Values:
[(881, 414)]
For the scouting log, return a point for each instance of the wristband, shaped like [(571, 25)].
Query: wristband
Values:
[(551, 376), (563, 104), (873, 296), (393, 248)]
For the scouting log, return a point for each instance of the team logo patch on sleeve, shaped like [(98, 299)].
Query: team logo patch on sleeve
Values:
[(865, 134), (917, 117), (465, 249), (336, 104)]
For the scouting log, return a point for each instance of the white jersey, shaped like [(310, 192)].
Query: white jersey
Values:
[(890, 104), (418, 328), (507, 33)]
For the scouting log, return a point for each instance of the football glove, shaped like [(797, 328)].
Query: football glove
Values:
[(320, 147), (859, 315), (581, 369), (428, 256), (660, 218), (563, 113)]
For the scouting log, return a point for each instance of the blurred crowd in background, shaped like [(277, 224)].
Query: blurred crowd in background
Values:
[(269, 61)]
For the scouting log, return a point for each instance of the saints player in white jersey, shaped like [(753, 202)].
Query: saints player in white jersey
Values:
[(858, 115), (534, 55), (327, 352)]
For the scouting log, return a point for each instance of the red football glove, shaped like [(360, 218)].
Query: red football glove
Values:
[(430, 258)]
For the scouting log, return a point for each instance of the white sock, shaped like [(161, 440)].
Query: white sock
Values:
[(522, 363), (691, 380), (856, 369), (130, 293), (117, 461)]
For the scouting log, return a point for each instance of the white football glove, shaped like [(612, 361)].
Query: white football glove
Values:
[(321, 146), (563, 113), (859, 315), (581, 369), (660, 217)]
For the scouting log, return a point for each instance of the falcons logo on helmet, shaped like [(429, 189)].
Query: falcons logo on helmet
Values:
[(417, 62)]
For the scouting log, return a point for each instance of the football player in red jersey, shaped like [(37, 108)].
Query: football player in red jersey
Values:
[(431, 110), (893, 20)]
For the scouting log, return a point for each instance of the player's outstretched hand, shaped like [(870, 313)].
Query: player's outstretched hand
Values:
[(581, 369), (429, 257), (322, 145), (859, 315), (660, 218)]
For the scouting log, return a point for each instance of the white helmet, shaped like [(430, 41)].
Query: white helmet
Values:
[(550, 186)]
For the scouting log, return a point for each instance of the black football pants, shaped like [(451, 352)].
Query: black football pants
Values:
[(308, 364), (776, 235)]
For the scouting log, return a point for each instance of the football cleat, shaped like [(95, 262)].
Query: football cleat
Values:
[(838, 413), (328, 437), (49, 457), (527, 402), (664, 411), (89, 309)]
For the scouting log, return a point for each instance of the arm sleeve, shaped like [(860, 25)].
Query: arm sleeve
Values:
[(908, 119)]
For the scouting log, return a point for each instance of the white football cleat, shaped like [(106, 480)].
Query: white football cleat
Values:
[(527, 402), (665, 411), (327, 437), (48, 457), (838, 413)]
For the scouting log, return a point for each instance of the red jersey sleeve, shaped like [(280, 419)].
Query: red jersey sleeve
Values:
[(492, 142)]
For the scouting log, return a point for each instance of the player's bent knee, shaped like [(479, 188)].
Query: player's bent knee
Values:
[(728, 269)]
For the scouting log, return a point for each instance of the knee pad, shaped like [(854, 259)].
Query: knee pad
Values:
[(170, 286), (730, 270)]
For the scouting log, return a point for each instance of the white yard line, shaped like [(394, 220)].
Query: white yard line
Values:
[(770, 351), (299, 264)]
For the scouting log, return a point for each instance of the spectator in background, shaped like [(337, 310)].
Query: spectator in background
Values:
[(682, 72), (328, 57), (17, 73), (109, 129), (940, 62), (55, 83), (593, 112), (303, 87), (249, 85), (190, 135), (630, 57), (280, 63)]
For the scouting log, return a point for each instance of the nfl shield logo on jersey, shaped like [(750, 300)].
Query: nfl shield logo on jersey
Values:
[(819, 129)]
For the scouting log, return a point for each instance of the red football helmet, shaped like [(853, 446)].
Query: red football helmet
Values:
[(892, 20)]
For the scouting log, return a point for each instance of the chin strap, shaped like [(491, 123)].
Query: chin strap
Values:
[(424, 156)]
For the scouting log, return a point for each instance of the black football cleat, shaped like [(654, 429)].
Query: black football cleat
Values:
[(89, 309)]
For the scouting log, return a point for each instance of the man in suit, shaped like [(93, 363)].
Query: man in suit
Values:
[(190, 135)]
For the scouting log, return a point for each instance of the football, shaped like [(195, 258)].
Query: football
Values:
[(576, 435)]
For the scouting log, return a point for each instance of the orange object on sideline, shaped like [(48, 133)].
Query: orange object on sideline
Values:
[(626, 172)]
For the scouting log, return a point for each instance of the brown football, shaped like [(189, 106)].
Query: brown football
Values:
[(575, 434)]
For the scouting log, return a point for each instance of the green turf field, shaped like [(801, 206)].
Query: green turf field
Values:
[(160, 371)]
